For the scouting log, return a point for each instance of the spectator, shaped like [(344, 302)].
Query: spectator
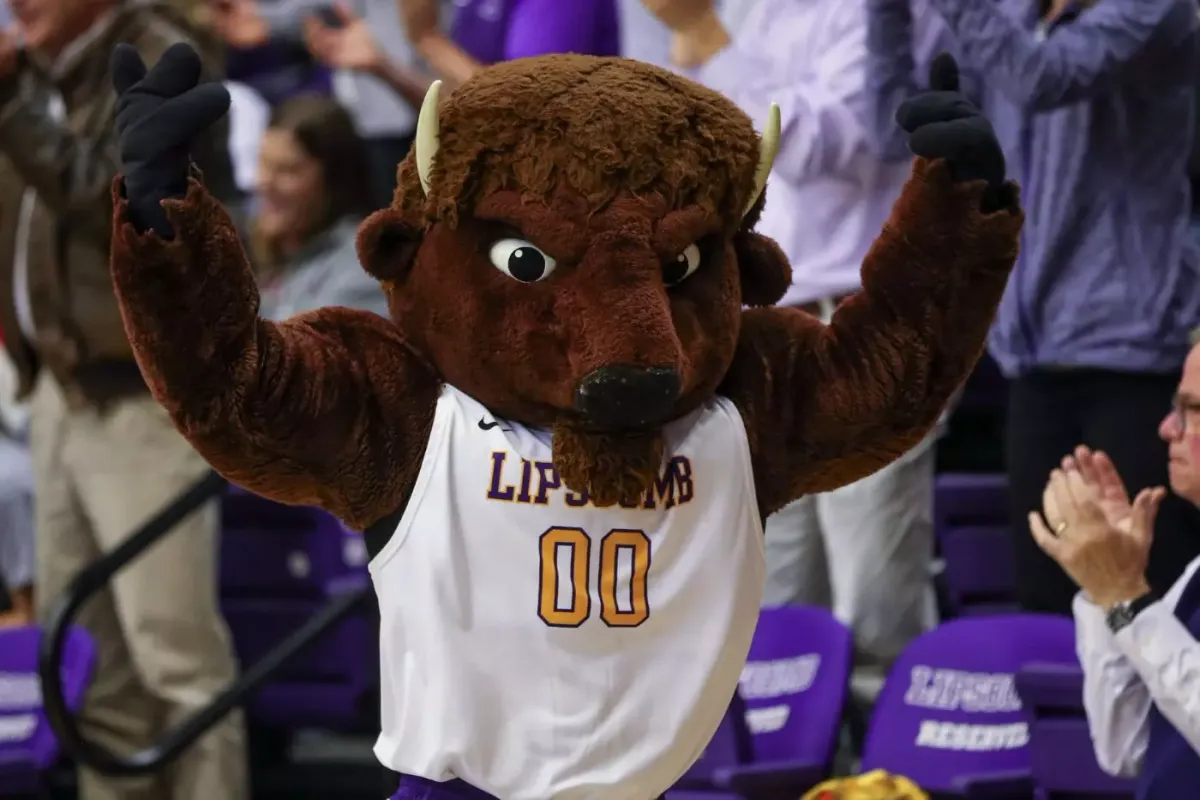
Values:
[(312, 193), (1140, 654), (488, 31), (105, 455), (483, 33), (865, 549), (346, 42), (384, 119), (276, 66), (1094, 105)]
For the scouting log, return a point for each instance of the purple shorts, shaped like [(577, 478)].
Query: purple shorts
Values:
[(414, 788)]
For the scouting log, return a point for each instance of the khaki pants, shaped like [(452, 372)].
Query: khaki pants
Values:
[(163, 648), (866, 552)]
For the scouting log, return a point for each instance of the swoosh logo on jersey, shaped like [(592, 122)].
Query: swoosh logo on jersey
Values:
[(484, 425)]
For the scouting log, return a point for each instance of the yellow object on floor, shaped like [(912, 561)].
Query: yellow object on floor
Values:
[(874, 785)]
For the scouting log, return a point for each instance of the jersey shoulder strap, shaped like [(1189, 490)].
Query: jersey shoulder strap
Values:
[(378, 534)]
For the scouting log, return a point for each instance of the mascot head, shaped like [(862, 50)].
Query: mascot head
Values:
[(571, 245)]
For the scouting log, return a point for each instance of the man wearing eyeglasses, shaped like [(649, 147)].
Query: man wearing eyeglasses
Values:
[(1140, 654)]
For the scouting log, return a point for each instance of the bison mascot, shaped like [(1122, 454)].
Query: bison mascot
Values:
[(562, 443)]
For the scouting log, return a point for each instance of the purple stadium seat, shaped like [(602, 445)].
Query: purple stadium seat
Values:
[(730, 746), (1063, 761), (27, 745), (972, 528), (794, 687), (279, 566), (276, 551), (949, 716)]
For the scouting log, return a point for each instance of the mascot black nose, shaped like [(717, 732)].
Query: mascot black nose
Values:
[(623, 396)]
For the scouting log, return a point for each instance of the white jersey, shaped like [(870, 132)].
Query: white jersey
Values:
[(540, 648)]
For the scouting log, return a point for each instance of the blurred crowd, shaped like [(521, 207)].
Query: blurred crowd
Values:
[(1094, 102)]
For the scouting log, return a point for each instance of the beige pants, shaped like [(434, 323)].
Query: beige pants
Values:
[(866, 552), (163, 648)]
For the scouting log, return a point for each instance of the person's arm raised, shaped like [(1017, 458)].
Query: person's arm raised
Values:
[(827, 405), (423, 26), (330, 408)]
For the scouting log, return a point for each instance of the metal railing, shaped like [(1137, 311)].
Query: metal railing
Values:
[(175, 741)]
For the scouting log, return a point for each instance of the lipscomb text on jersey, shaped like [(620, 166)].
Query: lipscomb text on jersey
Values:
[(519, 480)]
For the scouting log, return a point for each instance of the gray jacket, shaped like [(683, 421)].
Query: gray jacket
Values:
[(325, 273)]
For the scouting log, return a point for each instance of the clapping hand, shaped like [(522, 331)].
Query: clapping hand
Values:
[(240, 23), (1099, 472), (1090, 527), (347, 45)]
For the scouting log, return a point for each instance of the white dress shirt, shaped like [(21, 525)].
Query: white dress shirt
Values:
[(1155, 659)]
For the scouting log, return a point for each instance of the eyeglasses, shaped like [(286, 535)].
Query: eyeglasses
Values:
[(1186, 415)]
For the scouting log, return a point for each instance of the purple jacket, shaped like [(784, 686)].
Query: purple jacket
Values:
[(1095, 115), (501, 30)]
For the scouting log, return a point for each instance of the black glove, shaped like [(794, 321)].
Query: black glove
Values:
[(159, 115), (943, 123)]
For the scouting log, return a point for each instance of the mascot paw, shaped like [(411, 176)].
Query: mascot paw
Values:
[(160, 114), (943, 124)]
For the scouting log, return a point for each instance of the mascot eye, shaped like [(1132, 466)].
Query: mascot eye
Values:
[(684, 265), (519, 259)]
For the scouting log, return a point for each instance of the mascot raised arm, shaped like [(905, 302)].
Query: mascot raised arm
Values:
[(562, 443)]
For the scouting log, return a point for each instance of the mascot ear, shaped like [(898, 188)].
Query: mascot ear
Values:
[(387, 245), (764, 269)]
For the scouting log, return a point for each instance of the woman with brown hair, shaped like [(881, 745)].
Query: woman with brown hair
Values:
[(313, 189)]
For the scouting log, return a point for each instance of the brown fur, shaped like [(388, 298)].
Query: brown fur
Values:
[(612, 168), (610, 467), (595, 124), (828, 405)]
